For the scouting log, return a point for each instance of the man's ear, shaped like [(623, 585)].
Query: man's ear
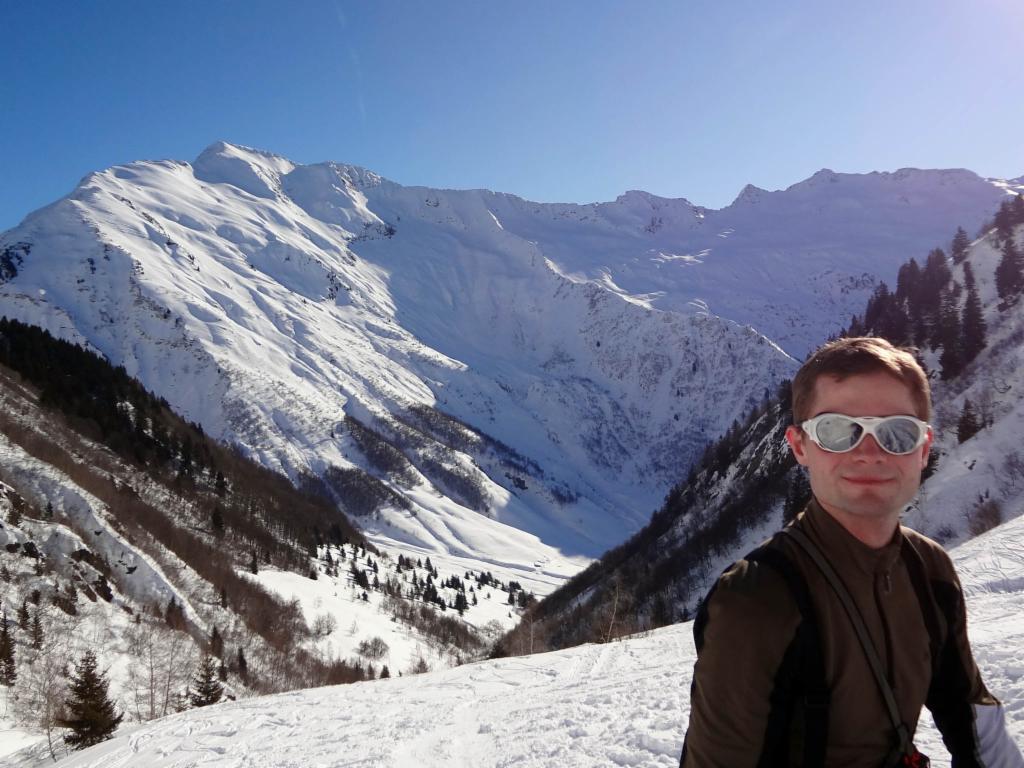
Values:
[(926, 448), (795, 438)]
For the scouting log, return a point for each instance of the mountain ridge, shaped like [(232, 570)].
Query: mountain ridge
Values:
[(269, 300)]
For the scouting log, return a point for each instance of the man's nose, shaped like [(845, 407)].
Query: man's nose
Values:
[(869, 449)]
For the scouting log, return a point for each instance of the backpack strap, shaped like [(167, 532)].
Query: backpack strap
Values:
[(926, 600), (905, 745), (810, 685)]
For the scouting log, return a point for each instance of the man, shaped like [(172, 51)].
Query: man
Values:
[(782, 676)]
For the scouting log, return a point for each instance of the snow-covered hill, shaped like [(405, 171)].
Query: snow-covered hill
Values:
[(526, 380), (621, 703)]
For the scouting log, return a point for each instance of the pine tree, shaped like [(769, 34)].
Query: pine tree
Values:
[(973, 322), (959, 246), (8, 669), (207, 688), (23, 617), (242, 664), (221, 485), (907, 280), (950, 336), (876, 306), (217, 521), (934, 277), (37, 631), (216, 643), (1004, 221), (91, 715), (1009, 271), (969, 425)]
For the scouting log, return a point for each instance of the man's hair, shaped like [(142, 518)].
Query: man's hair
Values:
[(859, 355)]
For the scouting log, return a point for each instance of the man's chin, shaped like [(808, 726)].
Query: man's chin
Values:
[(871, 503)]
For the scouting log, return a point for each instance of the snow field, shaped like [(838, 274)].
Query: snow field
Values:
[(620, 704)]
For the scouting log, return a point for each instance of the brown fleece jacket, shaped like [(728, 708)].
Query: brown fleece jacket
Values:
[(750, 622)]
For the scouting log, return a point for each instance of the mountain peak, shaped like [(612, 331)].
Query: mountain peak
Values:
[(638, 197), (749, 194), (252, 170)]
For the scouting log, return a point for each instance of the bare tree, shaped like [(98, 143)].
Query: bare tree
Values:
[(1011, 473), (161, 663), (323, 625), (373, 648), (42, 688)]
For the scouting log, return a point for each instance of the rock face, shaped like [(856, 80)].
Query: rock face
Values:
[(488, 377)]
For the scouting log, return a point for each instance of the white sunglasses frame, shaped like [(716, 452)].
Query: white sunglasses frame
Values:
[(868, 424)]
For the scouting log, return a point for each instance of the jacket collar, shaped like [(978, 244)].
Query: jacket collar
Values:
[(842, 547)]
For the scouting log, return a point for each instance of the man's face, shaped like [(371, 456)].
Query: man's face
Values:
[(866, 482)]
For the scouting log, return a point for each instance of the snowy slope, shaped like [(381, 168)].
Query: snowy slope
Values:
[(583, 345), (739, 494), (990, 465), (268, 301), (623, 703)]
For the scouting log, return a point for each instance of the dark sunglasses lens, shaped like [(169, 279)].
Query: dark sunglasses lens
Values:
[(898, 435), (838, 433)]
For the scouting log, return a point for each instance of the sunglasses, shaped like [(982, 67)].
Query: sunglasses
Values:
[(838, 433)]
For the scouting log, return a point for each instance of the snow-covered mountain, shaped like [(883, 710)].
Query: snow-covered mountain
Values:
[(747, 484), (620, 703), (482, 377)]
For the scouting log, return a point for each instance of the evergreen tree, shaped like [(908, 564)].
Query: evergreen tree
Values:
[(242, 664), (969, 425), (174, 615), (907, 280), (876, 306), (973, 322), (1009, 271), (1017, 210), (23, 617), (221, 485), (1004, 221), (950, 336), (217, 521), (37, 631), (14, 515), (253, 567), (207, 688), (385, 672), (223, 598), (8, 669), (216, 643), (91, 715), (959, 246), (934, 277)]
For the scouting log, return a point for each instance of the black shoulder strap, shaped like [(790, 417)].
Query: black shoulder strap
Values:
[(926, 600), (813, 690), (902, 732)]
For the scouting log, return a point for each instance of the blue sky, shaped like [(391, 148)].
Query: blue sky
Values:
[(555, 101)]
